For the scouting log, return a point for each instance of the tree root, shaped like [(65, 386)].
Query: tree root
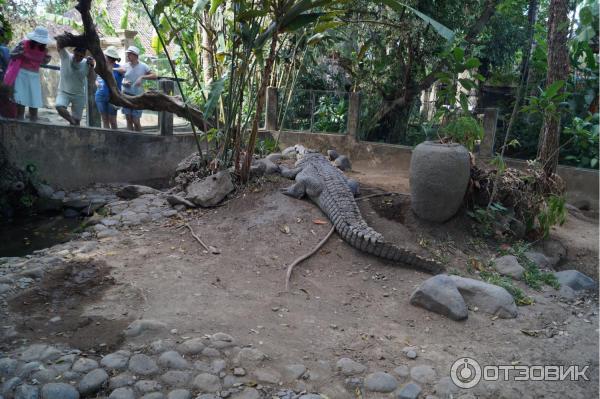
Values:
[(208, 248), (290, 268)]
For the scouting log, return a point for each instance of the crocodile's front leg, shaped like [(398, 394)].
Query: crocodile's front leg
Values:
[(305, 185)]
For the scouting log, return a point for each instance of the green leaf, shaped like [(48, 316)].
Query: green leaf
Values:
[(594, 162), (459, 54), (585, 16), (467, 84), (300, 21), (362, 51), (199, 6), (464, 102), (553, 89), (251, 14), (323, 26), (214, 4), (442, 30), (216, 88), (472, 62)]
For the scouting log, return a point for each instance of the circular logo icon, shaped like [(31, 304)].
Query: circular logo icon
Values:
[(465, 372)]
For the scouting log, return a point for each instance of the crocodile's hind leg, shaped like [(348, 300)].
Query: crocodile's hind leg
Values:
[(296, 190), (353, 186)]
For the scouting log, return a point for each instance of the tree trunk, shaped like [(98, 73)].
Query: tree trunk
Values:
[(558, 68), (207, 61)]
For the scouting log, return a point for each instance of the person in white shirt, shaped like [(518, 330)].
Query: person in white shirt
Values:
[(135, 73), (74, 71)]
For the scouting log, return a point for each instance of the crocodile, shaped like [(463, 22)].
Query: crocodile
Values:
[(334, 193)]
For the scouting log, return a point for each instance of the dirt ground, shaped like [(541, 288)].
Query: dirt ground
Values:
[(342, 303)]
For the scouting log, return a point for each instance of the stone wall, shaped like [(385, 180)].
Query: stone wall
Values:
[(70, 157)]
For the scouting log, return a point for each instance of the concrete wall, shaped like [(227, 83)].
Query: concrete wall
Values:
[(68, 157), (582, 184)]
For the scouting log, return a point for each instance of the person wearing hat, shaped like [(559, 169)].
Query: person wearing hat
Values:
[(108, 111), (23, 72), (135, 73), (74, 72)]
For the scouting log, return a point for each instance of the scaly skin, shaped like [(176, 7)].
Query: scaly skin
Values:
[(334, 193)]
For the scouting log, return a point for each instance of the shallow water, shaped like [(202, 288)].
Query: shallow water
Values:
[(24, 235)]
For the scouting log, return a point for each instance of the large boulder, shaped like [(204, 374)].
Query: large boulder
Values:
[(342, 162), (440, 295), (508, 265), (489, 298), (134, 191), (575, 280), (211, 190), (439, 175)]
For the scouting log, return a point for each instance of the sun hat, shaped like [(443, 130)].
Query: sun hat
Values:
[(40, 35), (133, 49), (111, 51)]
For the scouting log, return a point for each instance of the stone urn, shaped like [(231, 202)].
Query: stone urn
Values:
[(439, 176)]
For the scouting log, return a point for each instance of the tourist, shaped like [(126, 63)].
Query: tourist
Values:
[(23, 74), (74, 72), (106, 109), (4, 55), (135, 73)]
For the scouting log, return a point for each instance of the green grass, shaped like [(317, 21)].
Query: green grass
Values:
[(507, 283), (533, 276)]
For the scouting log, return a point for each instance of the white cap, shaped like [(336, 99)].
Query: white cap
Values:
[(39, 35), (133, 49)]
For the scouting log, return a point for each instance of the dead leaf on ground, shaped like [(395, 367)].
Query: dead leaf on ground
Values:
[(319, 221), (285, 229)]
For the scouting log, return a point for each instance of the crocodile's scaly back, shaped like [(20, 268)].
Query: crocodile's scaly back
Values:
[(328, 187)]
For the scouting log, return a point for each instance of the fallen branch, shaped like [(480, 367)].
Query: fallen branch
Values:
[(290, 268), (209, 248)]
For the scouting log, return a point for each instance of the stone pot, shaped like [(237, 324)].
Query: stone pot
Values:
[(439, 176)]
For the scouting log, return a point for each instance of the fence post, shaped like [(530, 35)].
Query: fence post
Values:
[(271, 109), (93, 115), (165, 119), (353, 114), (490, 121)]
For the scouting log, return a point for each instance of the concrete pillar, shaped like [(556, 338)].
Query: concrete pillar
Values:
[(271, 109), (165, 119), (93, 115), (353, 114), (127, 39), (490, 121)]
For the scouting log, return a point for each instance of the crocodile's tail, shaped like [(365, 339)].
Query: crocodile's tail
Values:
[(366, 239)]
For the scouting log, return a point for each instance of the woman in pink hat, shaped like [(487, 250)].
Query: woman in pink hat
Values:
[(23, 72)]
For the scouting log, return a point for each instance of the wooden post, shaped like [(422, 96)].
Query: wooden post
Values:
[(353, 114), (165, 119), (271, 109), (93, 115), (490, 120)]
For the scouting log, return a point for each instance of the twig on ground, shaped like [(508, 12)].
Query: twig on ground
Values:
[(304, 257), (375, 195), (210, 249)]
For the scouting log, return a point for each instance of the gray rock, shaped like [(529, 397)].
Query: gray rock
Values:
[(142, 364), (8, 387), (59, 390), (176, 378), (575, 280), (138, 327), (116, 361), (555, 251), (439, 294), (93, 381), (211, 352), (173, 360), (83, 365), (332, 155), (27, 392), (258, 169), (45, 375), (539, 259), (349, 367), (153, 395), (134, 191), (107, 233), (267, 376), (8, 367), (488, 298), (343, 163), (274, 157), (122, 393), (180, 394), (247, 393), (4, 288), (40, 352), (423, 374), (192, 346), (218, 365), (380, 382), (402, 371), (409, 391), (508, 265), (221, 340), (44, 190), (71, 376), (310, 396), (249, 356), (177, 200), (29, 368), (205, 382), (76, 203), (211, 190), (293, 371), (147, 386), (160, 346), (445, 388), (109, 222), (121, 380)]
